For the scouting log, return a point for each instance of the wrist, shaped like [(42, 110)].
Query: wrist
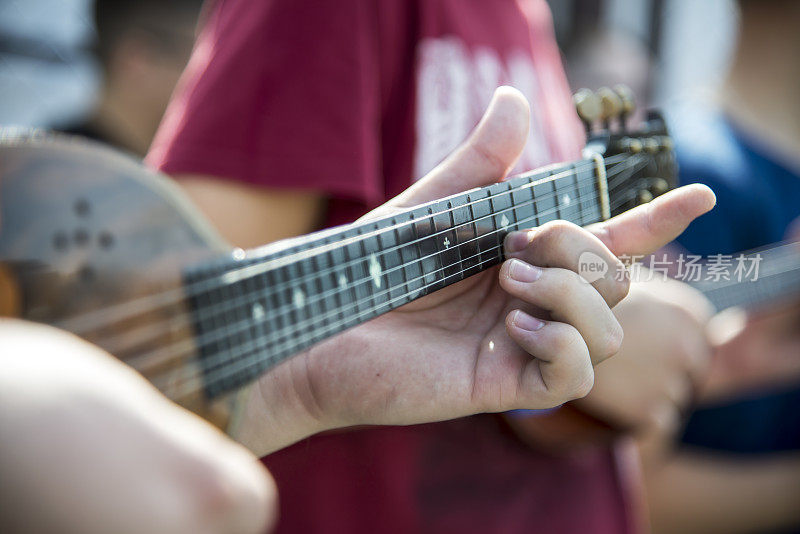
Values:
[(271, 416)]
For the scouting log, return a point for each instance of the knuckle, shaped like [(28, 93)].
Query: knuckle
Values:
[(561, 226), (612, 344), (556, 233), (620, 286), (567, 340), (584, 384)]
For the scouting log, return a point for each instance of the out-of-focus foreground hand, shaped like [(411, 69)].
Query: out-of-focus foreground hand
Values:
[(646, 386), (664, 358), (88, 446), (512, 337)]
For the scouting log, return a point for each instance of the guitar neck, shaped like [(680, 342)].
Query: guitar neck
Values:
[(253, 310), (763, 276)]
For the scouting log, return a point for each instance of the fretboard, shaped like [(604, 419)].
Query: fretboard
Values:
[(252, 310), (777, 276)]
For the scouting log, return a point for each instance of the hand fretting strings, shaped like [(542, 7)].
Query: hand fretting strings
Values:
[(144, 334), (233, 303), (139, 306), (320, 332), (84, 323)]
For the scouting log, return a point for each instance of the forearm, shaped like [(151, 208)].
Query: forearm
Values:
[(732, 495)]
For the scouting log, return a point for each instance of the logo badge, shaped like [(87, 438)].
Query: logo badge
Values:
[(591, 267)]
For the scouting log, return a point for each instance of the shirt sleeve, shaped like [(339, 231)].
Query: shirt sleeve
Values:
[(280, 93)]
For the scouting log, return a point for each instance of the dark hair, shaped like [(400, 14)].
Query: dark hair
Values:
[(116, 19)]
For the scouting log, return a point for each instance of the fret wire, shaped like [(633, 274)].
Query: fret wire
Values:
[(260, 267), (482, 198), (352, 261), (499, 251), (225, 372), (433, 234), (81, 323), (426, 286), (500, 254), (251, 299), (312, 320)]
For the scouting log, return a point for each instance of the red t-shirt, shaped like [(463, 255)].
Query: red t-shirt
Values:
[(356, 99)]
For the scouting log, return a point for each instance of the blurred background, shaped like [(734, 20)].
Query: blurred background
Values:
[(664, 49), (101, 69)]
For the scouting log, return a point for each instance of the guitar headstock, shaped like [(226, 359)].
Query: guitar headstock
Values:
[(639, 161)]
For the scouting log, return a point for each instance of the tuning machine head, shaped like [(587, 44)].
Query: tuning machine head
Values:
[(649, 188), (611, 104), (588, 106), (627, 99), (607, 106)]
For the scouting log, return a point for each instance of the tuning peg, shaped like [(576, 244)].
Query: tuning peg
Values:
[(611, 104), (632, 145), (644, 196), (588, 106), (626, 96), (659, 186), (651, 146)]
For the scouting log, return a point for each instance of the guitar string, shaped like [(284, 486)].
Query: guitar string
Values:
[(157, 357), (318, 275), (252, 299), (80, 323), (228, 366), (312, 320), (162, 355), (189, 291), (227, 371)]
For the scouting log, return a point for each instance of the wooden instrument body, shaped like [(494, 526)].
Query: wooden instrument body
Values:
[(84, 229)]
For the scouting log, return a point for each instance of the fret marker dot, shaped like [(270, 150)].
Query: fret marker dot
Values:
[(342, 280), (298, 299), (375, 270), (566, 200), (258, 312), (446, 242), (238, 254), (504, 222)]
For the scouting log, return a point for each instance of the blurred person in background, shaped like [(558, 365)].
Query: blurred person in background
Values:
[(141, 47), (737, 469)]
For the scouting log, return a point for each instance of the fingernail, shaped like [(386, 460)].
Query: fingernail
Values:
[(516, 241), (524, 321), (523, 272)]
